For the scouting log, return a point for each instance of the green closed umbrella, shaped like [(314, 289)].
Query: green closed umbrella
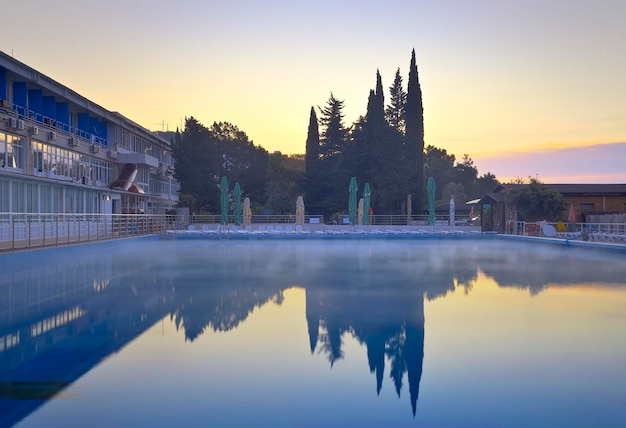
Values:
[(352, 201), (431, 200), (224, 200), (366, 204), (237, 196)]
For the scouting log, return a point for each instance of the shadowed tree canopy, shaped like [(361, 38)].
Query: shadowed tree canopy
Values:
[(203, 155), (313, 171), (534, 201), (334, 133), (326, 184), (396, 110), (414, 142), (384, 148)]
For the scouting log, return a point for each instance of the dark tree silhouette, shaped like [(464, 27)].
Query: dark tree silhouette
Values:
[(203, 155), (396, 110), (415, 136)]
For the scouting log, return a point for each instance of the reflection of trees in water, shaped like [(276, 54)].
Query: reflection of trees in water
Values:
[(378, 297), (390, 325), (220, 291), (376, 293), (219, 309)]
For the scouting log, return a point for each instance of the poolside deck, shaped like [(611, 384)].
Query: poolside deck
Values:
[(276, 231)]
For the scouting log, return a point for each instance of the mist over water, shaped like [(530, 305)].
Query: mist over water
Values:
[(281, 333)]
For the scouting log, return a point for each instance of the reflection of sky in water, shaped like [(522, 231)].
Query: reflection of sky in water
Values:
[(162, 333)]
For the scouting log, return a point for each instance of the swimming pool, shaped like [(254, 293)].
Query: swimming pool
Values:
[(306, 333)]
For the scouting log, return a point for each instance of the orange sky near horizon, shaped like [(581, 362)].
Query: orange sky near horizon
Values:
[(500, 81)]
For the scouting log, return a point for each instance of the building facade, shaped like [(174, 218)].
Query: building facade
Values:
[(59, 152)]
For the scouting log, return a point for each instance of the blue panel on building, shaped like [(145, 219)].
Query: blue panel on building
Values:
[(20, 97), (94, 126), (50, 109), (63, 116), (83, 122), (104, 133), (35, 104), (3, 83)]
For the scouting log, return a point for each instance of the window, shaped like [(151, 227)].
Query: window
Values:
[(587, 207), (11, 151)]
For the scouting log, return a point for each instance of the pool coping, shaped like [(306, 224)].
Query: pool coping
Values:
[(26, 254), (576, 242)]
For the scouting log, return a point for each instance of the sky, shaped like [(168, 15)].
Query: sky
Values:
[(533, 88)]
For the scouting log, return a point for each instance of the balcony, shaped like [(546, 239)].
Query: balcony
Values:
[(138, 159)]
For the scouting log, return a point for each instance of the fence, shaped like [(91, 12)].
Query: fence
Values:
[(21, 231), (587, 231), (375, 220), (24, 231)]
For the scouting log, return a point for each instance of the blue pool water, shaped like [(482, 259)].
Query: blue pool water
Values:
[(412, 333)]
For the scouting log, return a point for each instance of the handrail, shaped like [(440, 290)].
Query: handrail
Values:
[(25, 231), (375, 220), (571, 228)]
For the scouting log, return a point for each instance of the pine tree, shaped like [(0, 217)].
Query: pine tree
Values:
[(414, 142), (396, 110), (334, 134), (327, 178)]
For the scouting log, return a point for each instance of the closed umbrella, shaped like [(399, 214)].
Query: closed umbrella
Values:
[(300, 211), (452, 211), (352, 201), (366, 204), (359, 219), (572, 215), (224, 200), (431, 200), (247, 212), (237, 196)]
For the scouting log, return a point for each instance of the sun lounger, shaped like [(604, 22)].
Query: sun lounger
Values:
[(567, 235)]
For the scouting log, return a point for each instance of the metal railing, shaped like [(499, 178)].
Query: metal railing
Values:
[(613, 232), (375, 220), (24, 231)]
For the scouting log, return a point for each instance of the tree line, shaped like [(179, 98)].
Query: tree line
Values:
[(385, 148)]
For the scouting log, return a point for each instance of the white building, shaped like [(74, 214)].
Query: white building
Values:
[(59, 152)]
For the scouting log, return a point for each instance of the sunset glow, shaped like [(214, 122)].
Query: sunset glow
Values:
[(497, 79)]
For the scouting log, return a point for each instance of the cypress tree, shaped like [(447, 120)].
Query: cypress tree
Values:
[(383, 155), (379, 105), (312, 143), (312, 163), (414, 142)]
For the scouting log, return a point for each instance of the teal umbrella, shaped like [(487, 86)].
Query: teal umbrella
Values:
[(352, 202), (366, 204), (224, 200), (237, 196), (431, 200)]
